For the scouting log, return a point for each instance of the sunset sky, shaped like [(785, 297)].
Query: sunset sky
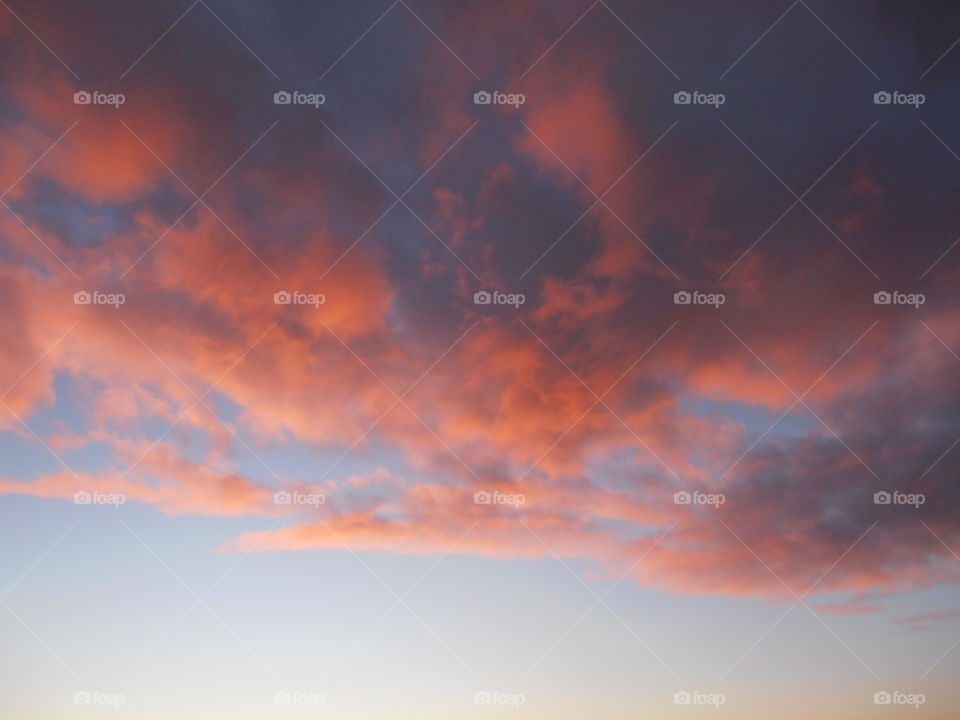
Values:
[(511, 358)]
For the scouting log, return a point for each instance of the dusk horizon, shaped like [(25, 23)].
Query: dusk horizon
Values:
[(423, 360)]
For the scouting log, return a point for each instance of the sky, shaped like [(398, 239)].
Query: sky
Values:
[(514, 358)]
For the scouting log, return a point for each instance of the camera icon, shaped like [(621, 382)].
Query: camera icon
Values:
[(482, 498), (482, 698), (82, 698), (482, 297), (82, 97), (682, 297), (82, 498), (282, 497), (282, 297), (682, 697), (282, 698), (282, 97), (482, 98), (882, 498), (882, 698), (882, 98), (81, 297), (682, 498), (682, 98), (882, 298)]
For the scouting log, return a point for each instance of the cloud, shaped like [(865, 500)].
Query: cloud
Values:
[(596, 401)]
